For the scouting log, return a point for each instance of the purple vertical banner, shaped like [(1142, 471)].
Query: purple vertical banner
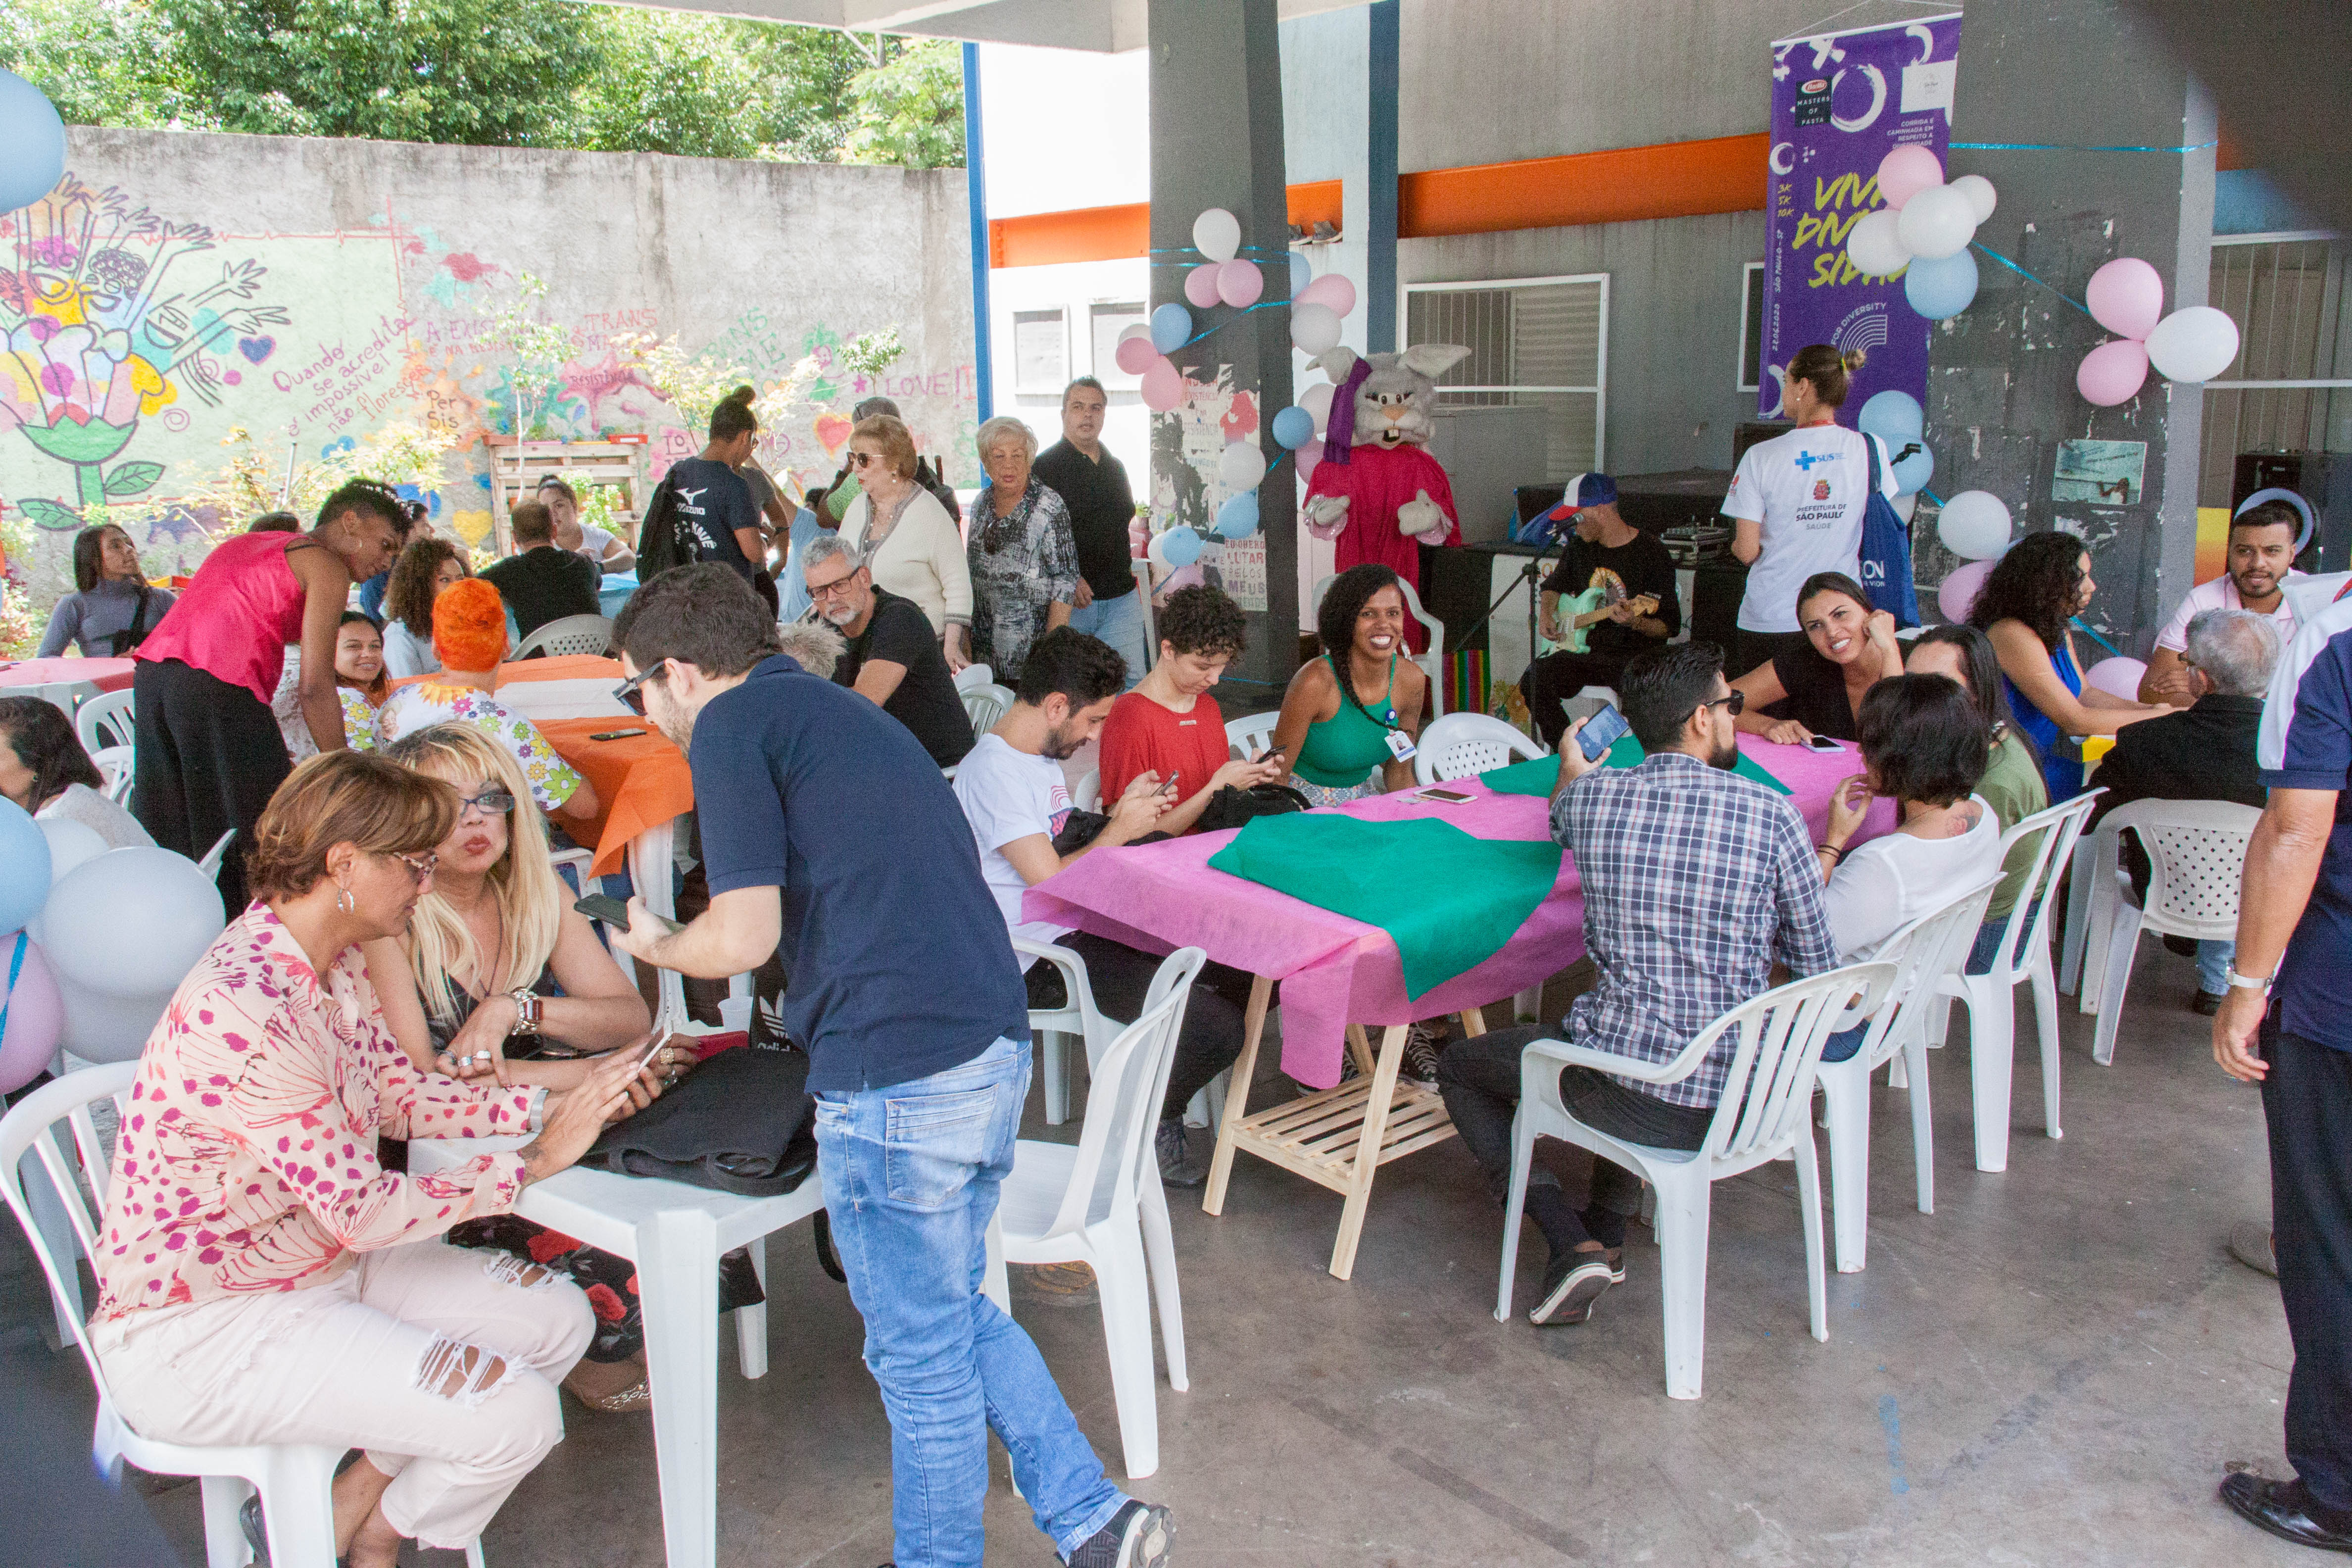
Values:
[(1841, 102)]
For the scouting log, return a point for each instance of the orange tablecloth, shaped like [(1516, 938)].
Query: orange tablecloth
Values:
[(106, 674), (570, 666), (641, 782)]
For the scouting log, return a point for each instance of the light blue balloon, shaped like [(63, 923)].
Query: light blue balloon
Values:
[(1171, 328), (1301, 274), (1237, 519), (24, 866), (1294, 428), (1939, 288), (36, 140), (1912, 473), (1182, 546), (1894, 418)]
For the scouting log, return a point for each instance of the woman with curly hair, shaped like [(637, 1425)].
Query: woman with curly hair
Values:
[(2023, 607), (425, 569), (1169, 724), (1344, 714)]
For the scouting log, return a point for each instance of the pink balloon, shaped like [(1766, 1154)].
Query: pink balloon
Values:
[(1163, 386), (2116, 678), (2111, 373), (1333, 289), (2127, 297), (1906, 171), (1958, 593), (1239, 283), (36, 1012), (1308, 456), (1201, 285), (1134, 355)]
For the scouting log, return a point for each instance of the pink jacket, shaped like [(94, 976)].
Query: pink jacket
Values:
[(246, 1159)]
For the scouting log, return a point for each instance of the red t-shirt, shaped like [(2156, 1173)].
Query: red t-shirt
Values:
[(1141, 736)]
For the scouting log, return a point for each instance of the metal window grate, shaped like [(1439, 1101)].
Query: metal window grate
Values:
[(2290, 388), (1541, 342)]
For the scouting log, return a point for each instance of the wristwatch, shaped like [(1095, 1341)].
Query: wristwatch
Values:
[(2247, 981), (527, 1010)]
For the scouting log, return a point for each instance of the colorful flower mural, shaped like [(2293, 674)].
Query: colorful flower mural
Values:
[(92, 340)]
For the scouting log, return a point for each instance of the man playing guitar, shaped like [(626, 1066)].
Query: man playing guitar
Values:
[(1611, 596)]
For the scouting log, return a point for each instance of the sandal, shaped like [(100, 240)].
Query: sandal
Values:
[(638, 1395)]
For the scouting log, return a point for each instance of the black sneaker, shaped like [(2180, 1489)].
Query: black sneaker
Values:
[(1424, 1043), (1138, 1536), (1572, 1283), (2204, 1003), (1174, 1151)]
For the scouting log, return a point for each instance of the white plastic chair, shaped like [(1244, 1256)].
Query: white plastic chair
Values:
[(1923, 952), (1250, 735), (2024, 954), (1432, 663), (107, 720), (1765, 1112), (2196, 855), (211, 864), (1141, 572), (1088, 796), (1077, 1017), (119, 767), (1464, 745), (567, 635), (973, 677), (296, 1481), (984, 705), (1099, 1201)]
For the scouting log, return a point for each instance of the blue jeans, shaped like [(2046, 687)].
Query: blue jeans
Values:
[(1988, 937), (2213, 960), (911, 1173), (1118, 622)]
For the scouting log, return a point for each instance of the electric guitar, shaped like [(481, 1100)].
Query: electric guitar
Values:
[(1592, 606)]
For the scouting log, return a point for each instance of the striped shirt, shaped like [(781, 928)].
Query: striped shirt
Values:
[(1696, 881)]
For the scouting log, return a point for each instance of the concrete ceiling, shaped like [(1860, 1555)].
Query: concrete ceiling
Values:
[(1107, 25)]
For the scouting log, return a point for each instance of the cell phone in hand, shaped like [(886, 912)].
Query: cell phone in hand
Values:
[(1823, 743), (614, 912), (1602, 730), (1169, 787), (652, 1048)]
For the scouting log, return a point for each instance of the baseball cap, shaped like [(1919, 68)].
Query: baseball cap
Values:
[(1584, 490)]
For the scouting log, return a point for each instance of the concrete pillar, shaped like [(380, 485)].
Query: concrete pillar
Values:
[(2001, 393), (1380, 181), (1216, 141)]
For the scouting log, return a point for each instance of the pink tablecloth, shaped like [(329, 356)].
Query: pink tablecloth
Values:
[(106, 674), (1335, 971)]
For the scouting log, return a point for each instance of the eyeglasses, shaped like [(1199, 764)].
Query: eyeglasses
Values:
[(839, 585), (628, 692), (419, 866), (863, 459), (490, 803)]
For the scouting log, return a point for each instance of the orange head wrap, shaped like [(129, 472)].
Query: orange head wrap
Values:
[(470, 626)]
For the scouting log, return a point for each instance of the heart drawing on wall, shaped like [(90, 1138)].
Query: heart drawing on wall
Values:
[(256, 349)]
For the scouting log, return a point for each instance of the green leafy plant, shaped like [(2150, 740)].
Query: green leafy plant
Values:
[(540, 347)]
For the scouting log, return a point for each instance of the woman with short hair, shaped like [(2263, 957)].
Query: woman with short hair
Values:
[(1169, 724), (111, 608), (907, 537), (44, 769), (1022, 556), (425, 568), (1816, 686), (262, 1279)]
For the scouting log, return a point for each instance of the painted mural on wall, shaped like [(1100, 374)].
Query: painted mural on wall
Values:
[(144, 352), (1187, 494)]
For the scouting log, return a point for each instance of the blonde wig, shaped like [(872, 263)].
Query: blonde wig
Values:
[(530, 896)]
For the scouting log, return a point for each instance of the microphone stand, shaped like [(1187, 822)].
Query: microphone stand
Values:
[(1532, 574)]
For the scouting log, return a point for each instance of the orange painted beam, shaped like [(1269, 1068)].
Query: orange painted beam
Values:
[(1673, 179), (1109, 233)]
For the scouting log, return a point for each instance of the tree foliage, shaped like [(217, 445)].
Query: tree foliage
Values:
[(520, 73)]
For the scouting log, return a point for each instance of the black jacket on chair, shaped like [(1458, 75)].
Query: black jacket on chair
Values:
[(2204, 753)]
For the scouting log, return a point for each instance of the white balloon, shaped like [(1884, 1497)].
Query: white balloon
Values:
[(131, 924), (1980, 192), (1938, 222), (70, 844), (1974, 525), (1242, 466), (99, 1029), (1316, 400), (1313, 329), (2194, 344), (1872, 245), (1217, 234)]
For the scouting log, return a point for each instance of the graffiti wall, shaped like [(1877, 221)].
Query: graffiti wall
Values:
[(182, 300)]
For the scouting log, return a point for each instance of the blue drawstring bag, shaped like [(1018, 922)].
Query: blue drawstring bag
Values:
[(1887, 551)]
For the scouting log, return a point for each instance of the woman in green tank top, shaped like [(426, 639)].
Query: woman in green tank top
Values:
[(1341, 709)]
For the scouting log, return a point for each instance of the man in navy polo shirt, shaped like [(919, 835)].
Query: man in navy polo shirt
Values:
[(833, 841), (2283, 1026)]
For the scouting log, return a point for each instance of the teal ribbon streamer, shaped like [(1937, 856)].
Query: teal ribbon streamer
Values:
[(2076, 622), (2029, 278), (2067, 147)]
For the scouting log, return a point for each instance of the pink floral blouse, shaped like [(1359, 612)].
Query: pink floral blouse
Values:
[(246, 1159)]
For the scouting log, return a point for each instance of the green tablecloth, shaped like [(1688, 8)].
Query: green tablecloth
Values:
[(1538, 775), (1450, 900)]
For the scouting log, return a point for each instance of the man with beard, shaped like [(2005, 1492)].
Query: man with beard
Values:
[(893, 657), (2261, 564), (1697, 882), (831, 842)]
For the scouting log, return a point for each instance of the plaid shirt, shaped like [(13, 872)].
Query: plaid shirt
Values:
[(1696, 881)]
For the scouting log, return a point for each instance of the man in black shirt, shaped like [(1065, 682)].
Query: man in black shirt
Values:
[(893, 657), (1627, 567), (1093, 485), (717, 518), (541, 582)]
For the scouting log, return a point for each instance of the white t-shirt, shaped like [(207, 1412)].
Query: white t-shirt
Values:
[(1892, 881), (79, 802), (1007, 795), (1807, 489), (595, 543), (2222, 594)]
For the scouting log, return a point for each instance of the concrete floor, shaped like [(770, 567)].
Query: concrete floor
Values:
[(2056, 1367)]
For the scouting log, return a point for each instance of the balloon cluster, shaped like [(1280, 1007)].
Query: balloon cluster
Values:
[(2127, 297), (1896, 418), (36, 139), (97, 941), (1925, 228), (1974, 525)]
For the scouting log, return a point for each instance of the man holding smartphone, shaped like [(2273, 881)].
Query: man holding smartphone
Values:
[(832, 841)]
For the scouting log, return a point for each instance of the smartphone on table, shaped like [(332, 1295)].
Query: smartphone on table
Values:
[(1824, 743), (1602, 730), (1448, 797), (614, 912)]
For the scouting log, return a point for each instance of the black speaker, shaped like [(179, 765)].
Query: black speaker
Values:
[(1748, 432), (2323, 479)]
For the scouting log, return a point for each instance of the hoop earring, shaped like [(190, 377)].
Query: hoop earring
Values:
[(345, 902)]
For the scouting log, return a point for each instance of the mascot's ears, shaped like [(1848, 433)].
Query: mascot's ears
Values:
[(1433, 359), (1338, 364)]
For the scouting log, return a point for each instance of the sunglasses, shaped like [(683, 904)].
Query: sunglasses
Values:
[(490, 803), (1737, 699), (628, 691), (863, 459), (419, 866)]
